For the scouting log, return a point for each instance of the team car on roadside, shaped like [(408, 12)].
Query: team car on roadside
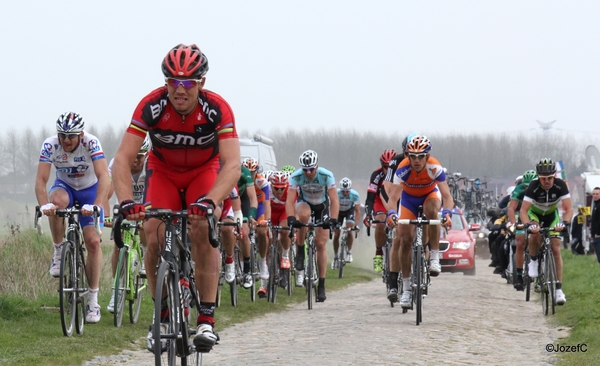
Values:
[(457, 246)]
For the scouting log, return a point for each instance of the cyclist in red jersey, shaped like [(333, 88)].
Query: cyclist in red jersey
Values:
[(375, 208), (279, 188), (195, 149), (420, 179)]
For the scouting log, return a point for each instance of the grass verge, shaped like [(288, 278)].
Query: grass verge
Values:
[(30, 330)]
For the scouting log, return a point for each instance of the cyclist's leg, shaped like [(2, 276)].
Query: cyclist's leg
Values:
[(350, 224), (336, 242), (431, 207), (60, 195), (379, 214)]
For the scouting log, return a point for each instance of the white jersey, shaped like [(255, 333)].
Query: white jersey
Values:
[(138, 182), (74, 168)]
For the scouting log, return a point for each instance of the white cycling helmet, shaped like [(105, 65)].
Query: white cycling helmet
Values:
[(345, 184), (69, 122), (308, 159)]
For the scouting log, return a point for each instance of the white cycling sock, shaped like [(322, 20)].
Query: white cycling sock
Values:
[(285, 252), (406, 284), (434, 255), (93, 296), (57, 250)]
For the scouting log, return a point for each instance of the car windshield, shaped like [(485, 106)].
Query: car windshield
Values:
[(457, 222)]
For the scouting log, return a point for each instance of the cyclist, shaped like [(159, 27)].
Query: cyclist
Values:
[(82, 176), (249, 203), (195, 149), (349, 210), (419, 179), (540, 209), (232, 212), (279, 187), (288, 169), (374, 206), (262, 189), (138, 184), (314, 188), (513, 207)]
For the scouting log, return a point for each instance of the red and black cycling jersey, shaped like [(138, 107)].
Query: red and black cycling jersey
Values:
[(393, 165), (183, 141), (375, 188)]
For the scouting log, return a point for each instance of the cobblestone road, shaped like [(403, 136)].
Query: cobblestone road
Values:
[(467, 320)]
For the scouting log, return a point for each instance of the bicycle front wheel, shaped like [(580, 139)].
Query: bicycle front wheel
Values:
[(66, 288), (417, 289), (308, 278), (342, 259), (543, 282), (551, 279), (81, 287), (167, 287), (526, 278), (121, 285), (273, 282)]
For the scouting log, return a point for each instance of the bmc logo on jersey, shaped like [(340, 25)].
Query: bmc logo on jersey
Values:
[(185, 139), (79, 159), (156, 109), (211, 113)]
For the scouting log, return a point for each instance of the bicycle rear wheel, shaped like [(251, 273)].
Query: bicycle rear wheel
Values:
[(233, 286), (253, 270), (417, 289), (167, 286), (543, 283), (121, 285), (526, 278), (273, 273), (66, 288), (308, 279), (135, 305)]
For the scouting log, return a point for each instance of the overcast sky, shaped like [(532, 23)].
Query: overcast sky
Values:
[(402, 66)]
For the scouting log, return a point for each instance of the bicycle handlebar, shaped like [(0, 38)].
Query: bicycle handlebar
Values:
[(67, 212), (310, 226), (419, 222), (36, 220)]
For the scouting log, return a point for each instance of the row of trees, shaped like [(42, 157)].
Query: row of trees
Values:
[(345, 152)]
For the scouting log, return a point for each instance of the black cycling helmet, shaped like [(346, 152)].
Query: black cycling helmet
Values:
[(545, 167), (185, 61)]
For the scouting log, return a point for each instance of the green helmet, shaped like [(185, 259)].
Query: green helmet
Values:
[(288, 168), (529, 176)]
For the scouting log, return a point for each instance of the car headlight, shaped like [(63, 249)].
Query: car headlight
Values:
[(464, 245), (481, 235)]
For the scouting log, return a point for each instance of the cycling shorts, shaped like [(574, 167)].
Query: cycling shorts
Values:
[(550, 220), (409, 205), (348, 215), (378, 206), (319, 212), (85, 196), (164, 184), (277, 216)]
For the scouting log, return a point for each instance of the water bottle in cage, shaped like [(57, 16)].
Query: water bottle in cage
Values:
[(186, 295)]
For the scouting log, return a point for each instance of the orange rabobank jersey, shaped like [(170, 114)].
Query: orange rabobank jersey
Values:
[(419, 184)]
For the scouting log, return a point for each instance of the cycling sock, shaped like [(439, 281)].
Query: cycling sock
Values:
[(321, 282), (57, 250), (228, 259), (93, 296), (349, 251), (406, 284), (285, 252), (378, 251), (393, 281), (207, 313), (519, 271), (558, 286), (246, 264), (434, 254)]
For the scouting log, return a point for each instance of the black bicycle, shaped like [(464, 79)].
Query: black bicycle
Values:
[(175, 283), (275, 272), (343, 250), (73, 282), (390, 233), (420, 280), (233, 289), (547, 277)]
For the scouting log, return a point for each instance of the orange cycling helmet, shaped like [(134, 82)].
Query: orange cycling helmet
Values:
[(185, 61), (251, 164), (387, 156), (418, 144)]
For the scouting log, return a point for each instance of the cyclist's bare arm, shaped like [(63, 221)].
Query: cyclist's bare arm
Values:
[(334, 203), (121, 168), (512, 207), (568, 207), (41, 179), (447, 200), (229, 150), (523, 213), (290, 203), (104, 182), (393, 191)]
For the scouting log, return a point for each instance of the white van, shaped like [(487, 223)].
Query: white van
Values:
[(261, 149)]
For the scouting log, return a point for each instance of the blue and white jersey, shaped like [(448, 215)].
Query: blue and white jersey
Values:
[(348, 203), (312, 191), (74, 168), (138, 182)]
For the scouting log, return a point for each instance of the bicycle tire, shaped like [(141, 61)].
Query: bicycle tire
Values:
[(291, 272), (551, 279), (166, 279), (526, 278), (253, 272), (273, 273), (543, 283), (221, 281), (135, 305), (66, 288), (309, 277), (342, 258), (189, 355), (418, 282), (233, 286), (81, 284), (120, 286)]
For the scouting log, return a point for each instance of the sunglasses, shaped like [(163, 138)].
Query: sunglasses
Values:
[(187, 84), (278, 188), (385, 166), (546, 177), (69, 136), (417, 156), (309, 170), (345, 191)]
